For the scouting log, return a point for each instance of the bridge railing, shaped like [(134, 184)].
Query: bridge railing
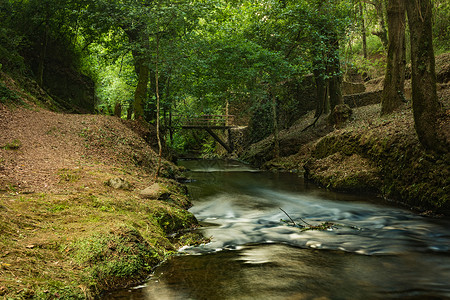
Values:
[(205, 120)]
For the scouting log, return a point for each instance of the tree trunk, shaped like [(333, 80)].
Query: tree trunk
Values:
[(394, 80), (321, 93), (335, 81), (158, 135), (424, 96), (276, 142), (129, 111), (43, 54), (118, 109), (363, 30), (141, 68), (335, 91), (140, 94)]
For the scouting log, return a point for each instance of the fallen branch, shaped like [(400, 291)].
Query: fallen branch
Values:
[(293, 220), (289, 216), (323, 226), (311, 125)]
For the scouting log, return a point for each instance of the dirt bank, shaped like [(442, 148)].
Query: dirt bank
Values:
[(73, 222)]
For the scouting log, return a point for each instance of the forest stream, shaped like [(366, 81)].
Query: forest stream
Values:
[(373, 250)]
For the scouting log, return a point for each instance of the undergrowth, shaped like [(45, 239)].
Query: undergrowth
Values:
[(87, 240)]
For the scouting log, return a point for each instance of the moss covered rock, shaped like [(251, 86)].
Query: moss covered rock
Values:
[(115, 258)]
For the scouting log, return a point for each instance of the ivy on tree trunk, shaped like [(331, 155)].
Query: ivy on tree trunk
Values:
[(424, 96)]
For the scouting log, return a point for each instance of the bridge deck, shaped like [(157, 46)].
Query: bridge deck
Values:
[(207, 126), (206, 121)]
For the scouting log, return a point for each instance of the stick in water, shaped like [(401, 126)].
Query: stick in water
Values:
[(293, 220), (288, 216)]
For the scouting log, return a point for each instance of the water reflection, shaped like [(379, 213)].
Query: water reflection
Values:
[(284, 272), (404, 256)]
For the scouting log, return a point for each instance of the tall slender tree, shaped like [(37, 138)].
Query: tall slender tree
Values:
[(425, 104), (363, 28)]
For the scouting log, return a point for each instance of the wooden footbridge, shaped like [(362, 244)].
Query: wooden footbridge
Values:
[(209, 123)]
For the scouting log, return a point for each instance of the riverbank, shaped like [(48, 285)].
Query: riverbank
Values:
[(368, 153), (375, 155), (74, 218), (366, 251)]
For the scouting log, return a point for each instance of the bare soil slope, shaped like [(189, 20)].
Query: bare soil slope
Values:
[(45, 143)]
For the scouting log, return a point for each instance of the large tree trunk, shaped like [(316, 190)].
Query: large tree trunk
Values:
[(321, 93), (394, 80), (424, 96), (151, 105)]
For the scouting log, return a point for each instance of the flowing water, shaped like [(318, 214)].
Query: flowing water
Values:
[(373, 251)]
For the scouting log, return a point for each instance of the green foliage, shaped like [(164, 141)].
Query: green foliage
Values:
[(10, 59), (7, 95), (69, 175), (209, 149), (441, 26), (14, 145), (209, 52), (370, 68), (261, 124), (374, 46), (10, 41), (115, 79)]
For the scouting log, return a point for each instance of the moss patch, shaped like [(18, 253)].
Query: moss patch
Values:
[(114, 258), (83, 243), (344, 172)]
